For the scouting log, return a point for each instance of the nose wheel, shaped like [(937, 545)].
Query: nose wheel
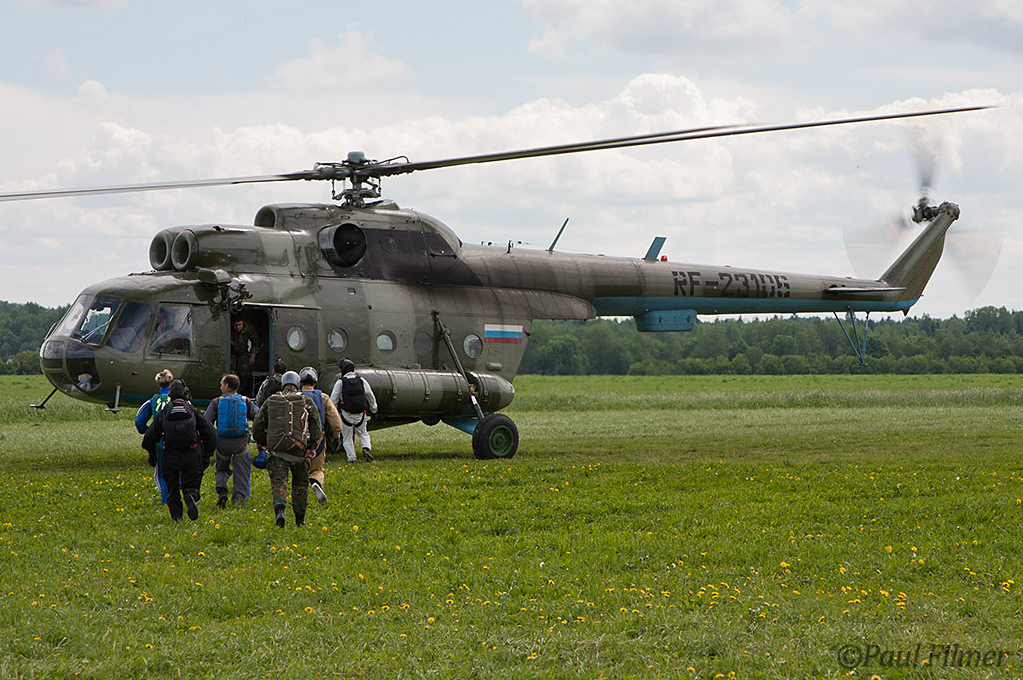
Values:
[(495, 436)]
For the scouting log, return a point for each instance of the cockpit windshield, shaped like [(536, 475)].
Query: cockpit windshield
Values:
[(89, 318), (97, 319), (72, 317)]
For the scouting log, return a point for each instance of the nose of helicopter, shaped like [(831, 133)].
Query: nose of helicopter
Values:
[(69, 365)]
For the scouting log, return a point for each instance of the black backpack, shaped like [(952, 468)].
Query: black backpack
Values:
[(353, 394), (180, 431), (272, 385)]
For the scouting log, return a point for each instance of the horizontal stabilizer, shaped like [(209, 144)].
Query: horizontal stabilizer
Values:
[(842, 290)]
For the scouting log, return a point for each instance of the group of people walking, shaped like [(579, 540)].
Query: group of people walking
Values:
[(293, 424)]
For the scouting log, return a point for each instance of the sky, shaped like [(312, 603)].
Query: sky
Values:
[(105, 92)]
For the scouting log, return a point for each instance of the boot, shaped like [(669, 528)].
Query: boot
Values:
[(193, 510), (318, 491)]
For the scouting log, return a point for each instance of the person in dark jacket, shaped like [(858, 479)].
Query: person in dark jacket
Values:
[(272, 384), (188, 442)]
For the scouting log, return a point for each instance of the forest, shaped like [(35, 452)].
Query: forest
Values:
[(22, 329), (984, 340)]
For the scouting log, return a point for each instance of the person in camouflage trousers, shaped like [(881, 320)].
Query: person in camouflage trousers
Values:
[(282, 463)]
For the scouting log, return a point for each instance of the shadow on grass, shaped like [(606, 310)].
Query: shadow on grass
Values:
[(423, 455)]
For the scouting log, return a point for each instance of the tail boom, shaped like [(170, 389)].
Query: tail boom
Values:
[(913, 269)]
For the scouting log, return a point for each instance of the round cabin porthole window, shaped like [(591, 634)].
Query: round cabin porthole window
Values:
[(422, 343), (337, 340), (297, 338), (472, 346), (387, 342)]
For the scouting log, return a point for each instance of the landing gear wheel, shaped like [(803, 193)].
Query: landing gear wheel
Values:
[(495, 437)]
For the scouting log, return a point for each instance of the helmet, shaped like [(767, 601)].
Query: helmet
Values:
[(308, 376), (178, 390), (346, 365), (290, 378)]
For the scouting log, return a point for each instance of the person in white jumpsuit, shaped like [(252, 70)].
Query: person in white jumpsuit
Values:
[(353, 422)]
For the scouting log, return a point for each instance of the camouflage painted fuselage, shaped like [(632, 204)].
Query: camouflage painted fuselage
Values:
[(379, 284)]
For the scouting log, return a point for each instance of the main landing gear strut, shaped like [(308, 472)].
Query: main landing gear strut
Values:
[(494, 435)]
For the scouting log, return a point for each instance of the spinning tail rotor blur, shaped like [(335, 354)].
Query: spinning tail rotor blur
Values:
[(972, 253)]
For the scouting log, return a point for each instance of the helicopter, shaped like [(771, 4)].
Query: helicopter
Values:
[(437, 327)]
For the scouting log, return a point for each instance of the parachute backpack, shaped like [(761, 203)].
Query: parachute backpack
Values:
[(287, 424), (180, 432), (353, 394), (232, 412)]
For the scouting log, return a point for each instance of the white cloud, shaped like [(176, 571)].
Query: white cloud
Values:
[(991, 24), (552, 43), (668, 26), (353, 63), (745, 27)]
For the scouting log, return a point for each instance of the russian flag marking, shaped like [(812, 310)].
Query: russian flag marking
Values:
[(502, 334)]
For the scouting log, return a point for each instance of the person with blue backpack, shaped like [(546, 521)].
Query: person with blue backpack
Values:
[(230, 412)]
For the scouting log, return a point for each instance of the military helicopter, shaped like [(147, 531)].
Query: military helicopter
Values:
[(437, 326)]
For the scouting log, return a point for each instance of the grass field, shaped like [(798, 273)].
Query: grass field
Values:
[(682, 527)]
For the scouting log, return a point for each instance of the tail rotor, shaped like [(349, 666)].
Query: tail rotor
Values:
[(972, 253)]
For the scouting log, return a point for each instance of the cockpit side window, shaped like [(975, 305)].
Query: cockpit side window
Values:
[(97, 319), (130, 327), (173, 331)]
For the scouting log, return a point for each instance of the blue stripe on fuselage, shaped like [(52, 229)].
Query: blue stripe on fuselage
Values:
[(631, 306)]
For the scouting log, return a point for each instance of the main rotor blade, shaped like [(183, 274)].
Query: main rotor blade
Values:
[(645, 140), (384, 169), (360, 171), (155, 186)]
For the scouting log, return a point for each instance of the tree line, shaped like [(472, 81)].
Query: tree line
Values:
[(984, 340), (22, 329)]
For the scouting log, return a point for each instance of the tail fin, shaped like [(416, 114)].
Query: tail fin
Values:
[(913, 269)]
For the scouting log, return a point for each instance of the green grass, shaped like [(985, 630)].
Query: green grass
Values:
[(648, 527)]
